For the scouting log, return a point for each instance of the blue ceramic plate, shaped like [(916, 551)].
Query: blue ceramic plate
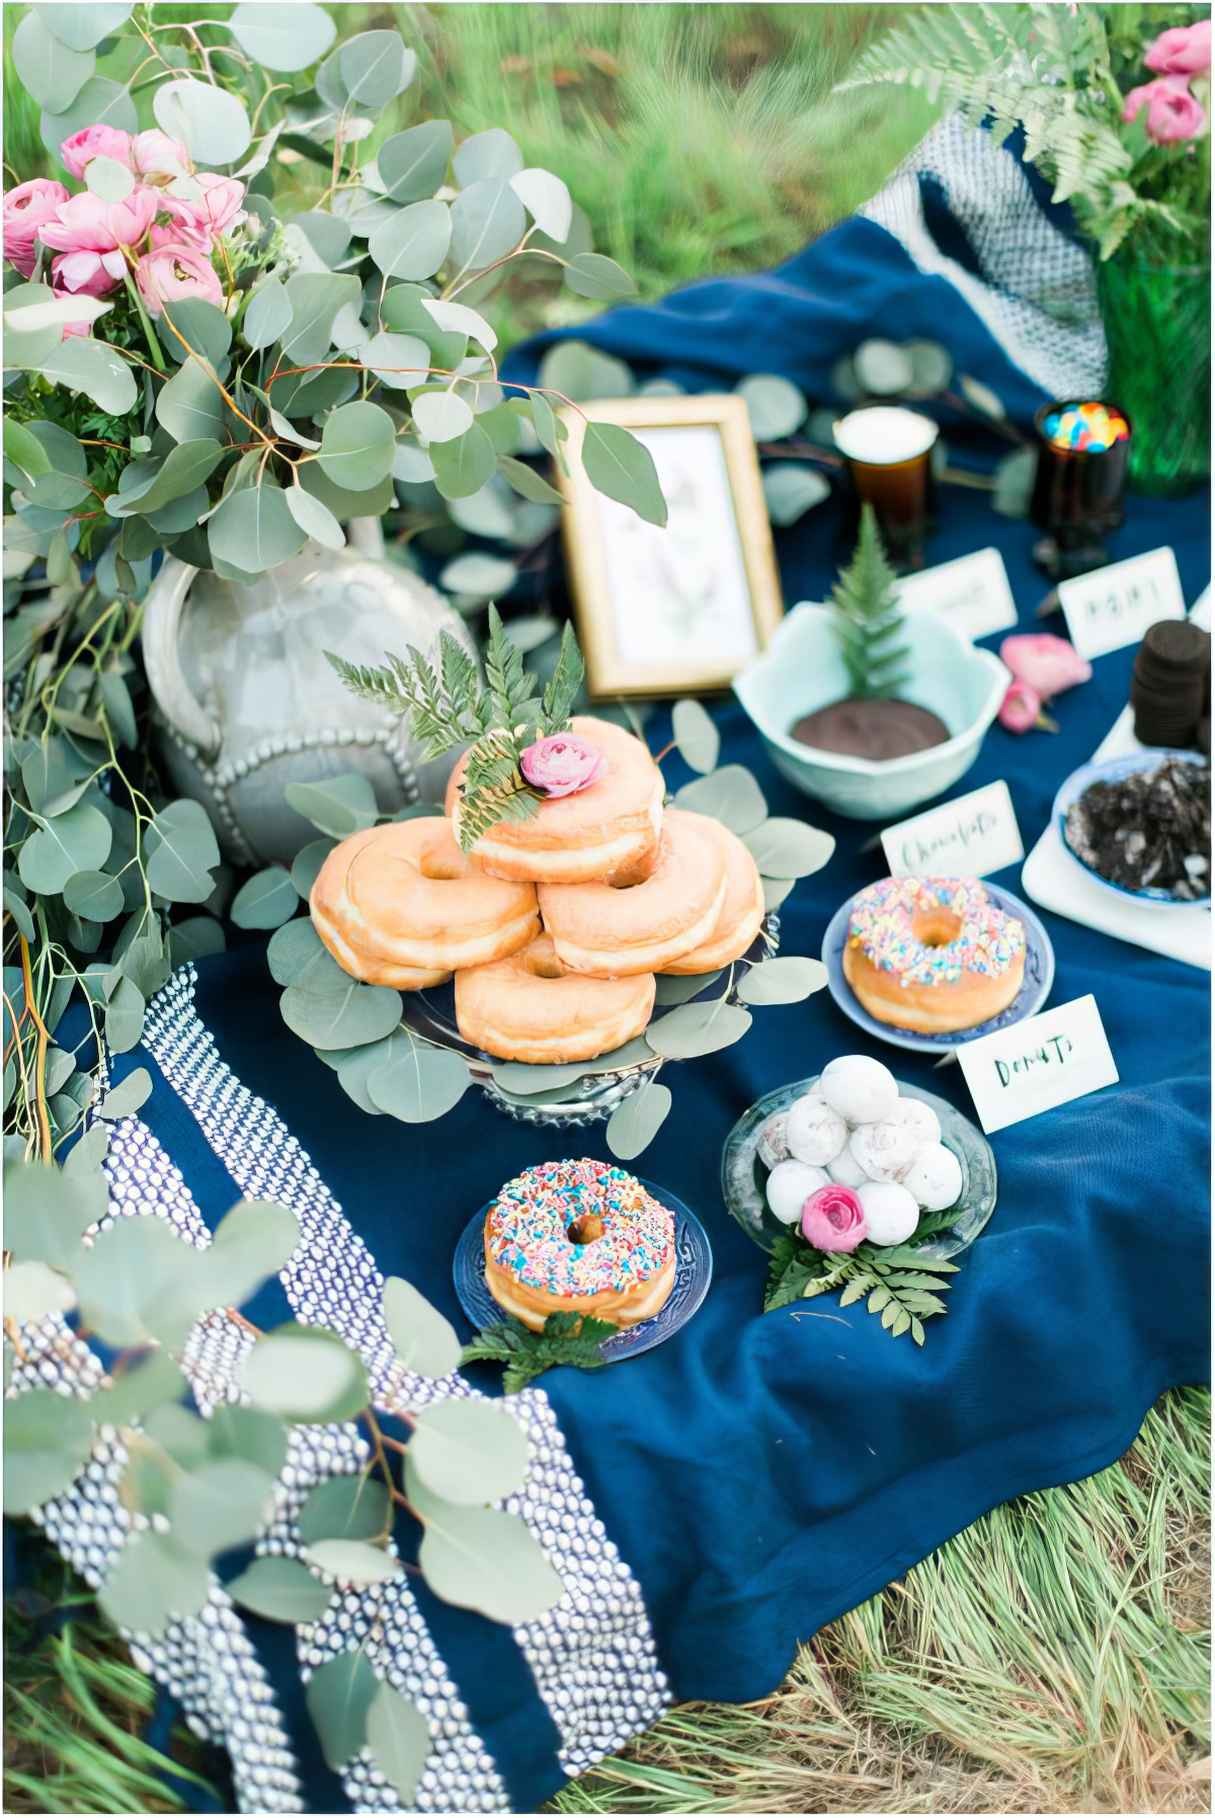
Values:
[(1112, 770), (693, 1273), (1035, 987)]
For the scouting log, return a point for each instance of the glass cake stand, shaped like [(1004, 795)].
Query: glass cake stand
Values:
[(743, 1174), (583, 1092)]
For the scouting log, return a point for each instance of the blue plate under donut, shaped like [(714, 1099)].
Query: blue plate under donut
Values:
[(1035, 986), (693, 1273)]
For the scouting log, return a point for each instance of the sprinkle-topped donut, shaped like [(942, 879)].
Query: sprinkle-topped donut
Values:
[(579, 1236), (884, 919), (933, 954)]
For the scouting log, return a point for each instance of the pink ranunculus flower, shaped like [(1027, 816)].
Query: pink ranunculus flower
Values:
[(180, 222), (25, 209), (1183, 50), (221, 201), (86, 223), (170, 274), (1021, 707), (92, 142), (561, 764), (1173, 113), (1047, 663), (90, 274), (154, 155), (834, 1219)]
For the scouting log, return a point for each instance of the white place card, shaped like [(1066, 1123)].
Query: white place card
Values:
[(1114, 606), (972, 594), (970, 837), (1045, 1061)]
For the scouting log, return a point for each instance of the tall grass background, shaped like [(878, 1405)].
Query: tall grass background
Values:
[(1054, 1656)]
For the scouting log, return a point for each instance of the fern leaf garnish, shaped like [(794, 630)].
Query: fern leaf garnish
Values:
[(868, 620)]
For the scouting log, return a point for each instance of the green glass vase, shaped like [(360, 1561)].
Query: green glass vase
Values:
[(1158, 329)]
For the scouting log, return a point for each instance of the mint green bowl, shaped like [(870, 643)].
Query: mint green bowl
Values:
[(801, 670)]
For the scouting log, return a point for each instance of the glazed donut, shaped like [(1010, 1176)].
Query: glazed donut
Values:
[(609, 830), (933, 954), (402, 905), (531, 1007), (610, 932), (742, 912), (579, 1237)]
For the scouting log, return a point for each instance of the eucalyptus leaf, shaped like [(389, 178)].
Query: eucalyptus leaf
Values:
[(137, 1390), (339, 1695), (101, 374), (352, 1507), (1014, 478), (696, 737), (883, 369), (109, 179), (136, 1285), (678, 988), (468, 1451), (984, 399), (339, 805), (315, 298), (483, 1559), (419, 1083), (124, 1099), (49, 69), (696, 1029), (775, 406), (398, 361), (305, 1374), (423, 1340), (184, 468), (305, 868), (357, 446), (547, 201), (791, 490), (492, 153), (786, 980), (637, 1120), (83, 27), (152, 1583), (731, 795), (353, 1561), (32, 1290), (483, 577), (211, 122), (253, 530), (414, 163), (195, 938), (375, 68), (414, 243), (202, 329), (268, 311), (527, 482), (617, 464), (343, 1018), (398, 1737), (94, 895), (463, 466), (931, 366), (785, 848), (124, 1015), (101, 102), (189, 405), (441, 416), (182, 853), (77, 840), (314, 518), (487, 220), (592, 275), (296, 956), (222, 1504), (284, 1590), (47, 1439), (286, 38)]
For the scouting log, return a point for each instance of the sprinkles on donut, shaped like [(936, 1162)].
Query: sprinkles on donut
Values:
[(933, 954)]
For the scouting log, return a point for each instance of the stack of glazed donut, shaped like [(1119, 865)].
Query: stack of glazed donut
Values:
[(554, 927)]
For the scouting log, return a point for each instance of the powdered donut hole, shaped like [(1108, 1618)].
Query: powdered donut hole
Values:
[(790, 1185), (813, 1131), (935, 1178), (863, 1091), (891, 1213), (920, 1118), (772, 1146), (845, 1170), (886, 1150)]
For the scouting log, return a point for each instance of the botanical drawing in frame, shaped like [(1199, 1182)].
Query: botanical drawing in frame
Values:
[(677, 610)]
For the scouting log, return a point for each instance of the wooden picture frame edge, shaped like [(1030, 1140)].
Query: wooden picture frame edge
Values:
[(726, 412)]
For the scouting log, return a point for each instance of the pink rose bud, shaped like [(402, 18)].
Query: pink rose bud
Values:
[(1173, 114), (561, 764), (834, 1219), (1184, 50), (1020, 708), (25, 209), (155, 156), (86, 223), (1047, 664), (169, 274), (92, 142)]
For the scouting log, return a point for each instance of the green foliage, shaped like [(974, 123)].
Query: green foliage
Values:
[(567, 1338), (1060, 74), (867, 618), (899, 1281)]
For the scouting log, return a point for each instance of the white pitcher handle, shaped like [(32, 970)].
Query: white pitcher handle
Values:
[(162, 612)]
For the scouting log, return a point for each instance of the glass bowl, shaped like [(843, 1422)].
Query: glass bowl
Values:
[(743, 1174)]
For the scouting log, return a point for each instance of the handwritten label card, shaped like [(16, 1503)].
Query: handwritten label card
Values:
[(972, 594), (1037, 1064), (1114, 606), (969, 837)]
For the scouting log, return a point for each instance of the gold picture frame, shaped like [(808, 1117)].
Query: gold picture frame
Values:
[(681, 610)]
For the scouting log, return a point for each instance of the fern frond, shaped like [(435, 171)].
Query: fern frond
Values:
[(867, 617), (563, 685)]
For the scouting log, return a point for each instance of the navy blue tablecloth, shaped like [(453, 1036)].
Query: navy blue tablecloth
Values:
[(763, 1473)]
